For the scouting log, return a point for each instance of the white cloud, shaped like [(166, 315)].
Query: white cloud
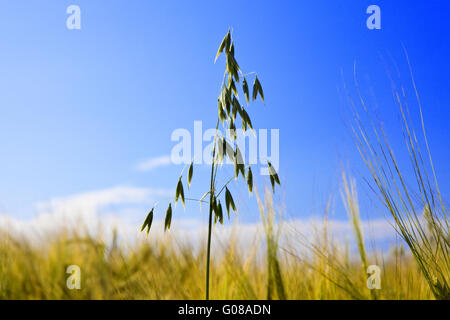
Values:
[(106, 208), (124, 208), (94, 200), (153, 163)]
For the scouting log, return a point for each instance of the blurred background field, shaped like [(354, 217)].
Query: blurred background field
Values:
[(298, 266)]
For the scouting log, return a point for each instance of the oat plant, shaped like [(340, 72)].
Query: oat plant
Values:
[(230, 109)]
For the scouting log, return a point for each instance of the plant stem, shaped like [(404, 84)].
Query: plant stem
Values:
[(211, 198), (208, 250)]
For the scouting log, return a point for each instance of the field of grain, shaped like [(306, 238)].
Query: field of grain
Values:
[(291, 268)]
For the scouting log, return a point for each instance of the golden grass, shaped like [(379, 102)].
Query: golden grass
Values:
[(170, 270), (421, 216)]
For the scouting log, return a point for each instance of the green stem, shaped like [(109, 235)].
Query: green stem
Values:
[(208, 251), (211, 198)]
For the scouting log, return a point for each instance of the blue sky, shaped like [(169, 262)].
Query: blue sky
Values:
[(80, 109)]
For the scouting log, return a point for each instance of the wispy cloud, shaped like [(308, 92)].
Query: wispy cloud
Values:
[(116, 207), (123, 208), (94, 200), (153, 163)]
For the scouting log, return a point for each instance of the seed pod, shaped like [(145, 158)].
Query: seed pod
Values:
[(272, 182), (238, 163), (222, 114), (223, 44), (236, 108), (148, 221), (233, 67), (257, 88), (233, 87), (179, 192), (245, 89), (250, 180), (219, 212), (229, 202), (273, 176), (231, 51), (229, 151), (222, 149), (232, 129), (246, 118), (190, 173), (168, 219), (273, 173)]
